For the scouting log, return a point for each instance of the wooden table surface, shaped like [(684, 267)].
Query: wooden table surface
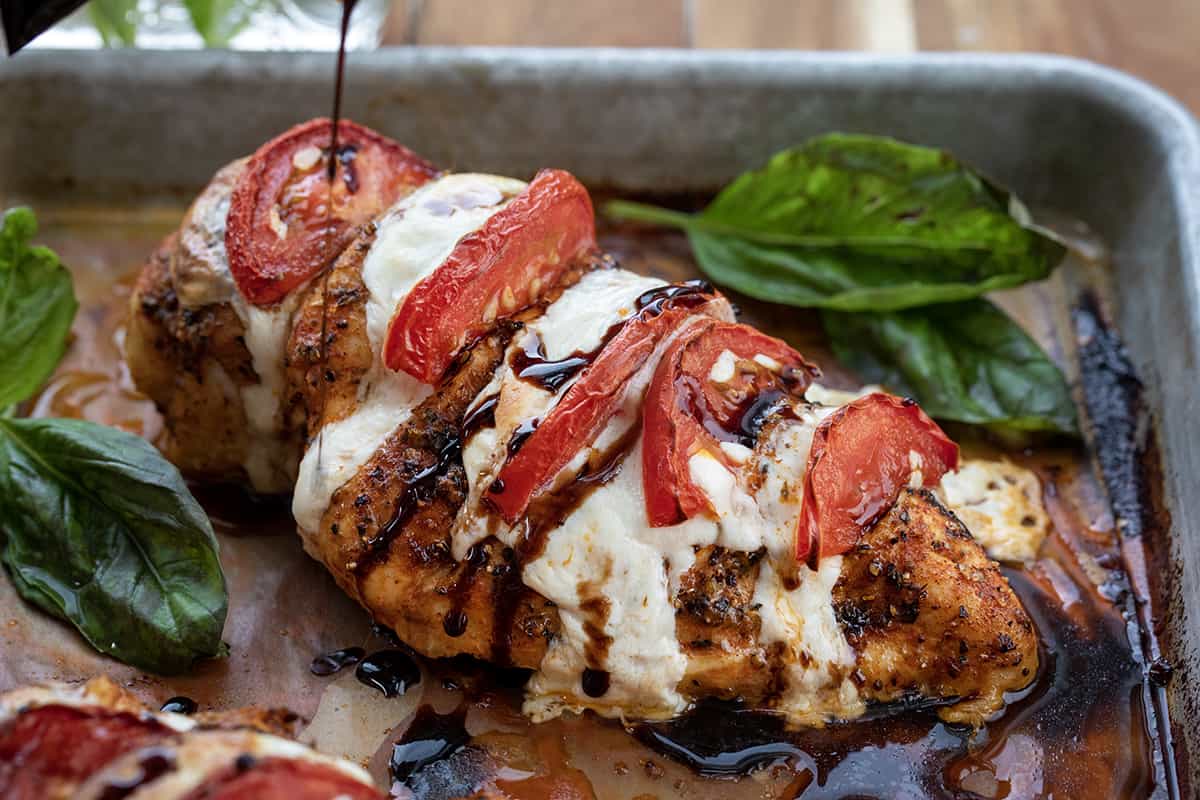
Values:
[(1153, 39)]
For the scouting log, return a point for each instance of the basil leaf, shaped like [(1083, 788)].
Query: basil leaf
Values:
[(99, 529), (966, 362), (860, 223), (37, 304), (115, 20), (218, 21)]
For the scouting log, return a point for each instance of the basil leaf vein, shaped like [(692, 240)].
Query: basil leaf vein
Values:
[(37, 305), (966, 362), (99, 529)]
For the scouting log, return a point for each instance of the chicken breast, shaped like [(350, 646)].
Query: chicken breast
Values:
[(98, 741), (610, 613), (392, 508)]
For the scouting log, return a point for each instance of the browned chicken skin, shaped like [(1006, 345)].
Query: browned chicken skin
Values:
[(925, 611), (930, 614)]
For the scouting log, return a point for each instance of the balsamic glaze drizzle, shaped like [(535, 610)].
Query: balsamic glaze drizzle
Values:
[(392, 672), (518, 438), (456, 620), (347, 10), (417, 489), (530, 364), (179, 705), (483, 415), (431, 737), (595, 682), (335, 661)]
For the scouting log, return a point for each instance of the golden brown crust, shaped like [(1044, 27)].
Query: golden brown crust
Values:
[(717, 625), (931, 615), (329, 352), (190, 362)]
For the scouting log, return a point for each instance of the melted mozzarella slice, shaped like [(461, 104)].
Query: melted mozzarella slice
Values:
[(1001, 505), (610, 575), (413, 239), (268, 460), (758, 507), (418, 234)]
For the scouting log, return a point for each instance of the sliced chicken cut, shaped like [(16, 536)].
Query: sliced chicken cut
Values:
[(212, 358)]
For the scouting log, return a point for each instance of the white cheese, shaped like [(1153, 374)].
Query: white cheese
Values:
[(723, 368), (412, 240), (578, 320), (417, 234), (816, 393), (606, 548), (341, 448), (781, 460), (266, 331), (817, 658), (1001, 505)]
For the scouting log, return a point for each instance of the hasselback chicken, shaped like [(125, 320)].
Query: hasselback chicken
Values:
[(503, 445)]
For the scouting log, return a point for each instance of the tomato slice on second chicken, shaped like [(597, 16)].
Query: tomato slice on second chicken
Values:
[(492, 273), (686, 410), (862, 457), (590, 402), (287, 222)]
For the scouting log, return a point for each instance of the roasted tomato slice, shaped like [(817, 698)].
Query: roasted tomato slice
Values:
[(687, 410), (862, 456), (57, 747), (283, 779), (492, 273), (286, 222), (587, 406)]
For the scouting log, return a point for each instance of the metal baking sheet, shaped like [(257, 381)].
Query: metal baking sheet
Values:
[(1098, 146)]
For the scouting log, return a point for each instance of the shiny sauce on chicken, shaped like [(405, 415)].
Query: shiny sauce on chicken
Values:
[(1089, 726)]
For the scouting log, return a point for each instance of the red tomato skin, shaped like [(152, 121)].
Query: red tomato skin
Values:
[(60, 746), (530, 242), (265, 267), (283, 779), (671, 431), (584, 409), (857, 467)]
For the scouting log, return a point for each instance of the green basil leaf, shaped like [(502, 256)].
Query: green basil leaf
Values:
[(37, 304), (860, 223), (115, 20), (966, 362), (218, 21), (99, 529)]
